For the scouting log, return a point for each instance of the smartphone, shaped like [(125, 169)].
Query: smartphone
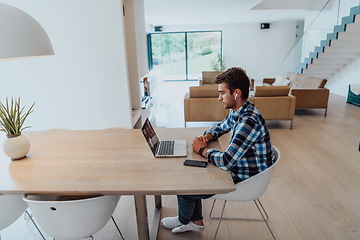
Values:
[(195, 163)]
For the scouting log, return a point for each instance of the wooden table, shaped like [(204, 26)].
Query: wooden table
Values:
[(113, 162)]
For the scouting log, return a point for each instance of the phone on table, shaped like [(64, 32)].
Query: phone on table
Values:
[(195, 163)]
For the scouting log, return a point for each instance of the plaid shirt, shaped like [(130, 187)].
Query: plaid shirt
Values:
[(249, 151)]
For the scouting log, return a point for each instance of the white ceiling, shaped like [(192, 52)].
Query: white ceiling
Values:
[(184, 12)]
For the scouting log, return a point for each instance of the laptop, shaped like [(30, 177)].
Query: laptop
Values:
[(168, 148)]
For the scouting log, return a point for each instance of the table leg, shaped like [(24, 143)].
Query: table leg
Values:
[(141, 217), (156, 220)]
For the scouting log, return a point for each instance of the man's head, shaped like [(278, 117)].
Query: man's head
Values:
[(233, 87), (235, 78)]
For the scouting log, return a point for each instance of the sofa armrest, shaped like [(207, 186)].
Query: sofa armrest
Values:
[(187, 106), (311, 98), (201, 82)]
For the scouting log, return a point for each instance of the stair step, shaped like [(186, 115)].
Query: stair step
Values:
[(327, 67), (339, 49), (357, 18), (349, 36), (347, 20), (326, 72), (353, 27), (325, 75), (324, 60), (346, 43), (339, 54), (354, 10)]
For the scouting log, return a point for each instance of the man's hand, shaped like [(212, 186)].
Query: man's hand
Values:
[(208, 137), (198, 143)]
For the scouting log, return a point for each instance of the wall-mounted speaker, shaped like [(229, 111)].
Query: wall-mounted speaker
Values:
[(264, 25), (158, 28)]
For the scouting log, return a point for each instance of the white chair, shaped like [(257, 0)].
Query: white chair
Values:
[(249, 190), (70, 218), (11, 208)]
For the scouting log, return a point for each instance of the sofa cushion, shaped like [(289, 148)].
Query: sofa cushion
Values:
[(300, 81), (281, 81), (206, 91), (271, 91)]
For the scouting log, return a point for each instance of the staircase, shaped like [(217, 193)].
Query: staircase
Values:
[(340, 48)]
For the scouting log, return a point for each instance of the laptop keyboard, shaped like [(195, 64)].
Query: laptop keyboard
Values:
[(166, 148)]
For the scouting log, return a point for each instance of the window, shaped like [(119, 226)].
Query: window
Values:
[(184, 55)]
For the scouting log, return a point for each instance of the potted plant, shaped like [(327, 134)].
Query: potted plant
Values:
[(12, 118)]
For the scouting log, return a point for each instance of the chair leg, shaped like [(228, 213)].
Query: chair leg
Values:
[(264, 215), (117, 227), (229, 218), (212, 207), (30, 217), (222, 212), (259, 206)]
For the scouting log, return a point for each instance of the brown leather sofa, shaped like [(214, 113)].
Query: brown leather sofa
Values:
[(310, 92), (274, 103), (201, 104)]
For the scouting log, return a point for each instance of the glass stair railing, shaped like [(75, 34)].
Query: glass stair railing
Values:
[(323, 58)]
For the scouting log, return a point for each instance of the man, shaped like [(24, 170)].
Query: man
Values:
[(249, 151)]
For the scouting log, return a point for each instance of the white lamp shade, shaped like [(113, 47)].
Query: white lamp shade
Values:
[(21, 35)]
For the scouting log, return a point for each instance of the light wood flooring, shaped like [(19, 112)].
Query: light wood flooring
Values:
[(314, 193)]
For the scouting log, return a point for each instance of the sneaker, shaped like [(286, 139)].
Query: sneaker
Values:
[(171, 222), (188, 227)]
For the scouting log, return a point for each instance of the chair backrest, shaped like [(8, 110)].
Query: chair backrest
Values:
[(253, 187), (271, 91), (11, 208), (209, 77), (71, 219)]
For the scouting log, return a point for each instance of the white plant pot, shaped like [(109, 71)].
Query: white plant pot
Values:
[(16, 147)]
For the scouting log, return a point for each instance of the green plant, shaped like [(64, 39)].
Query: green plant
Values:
[(218, 63), (12, 117)]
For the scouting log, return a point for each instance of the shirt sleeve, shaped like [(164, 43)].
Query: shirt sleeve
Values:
[(220, 129), (244, 136)]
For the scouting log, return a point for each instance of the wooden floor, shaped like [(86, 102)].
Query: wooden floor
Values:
[(313, 195)]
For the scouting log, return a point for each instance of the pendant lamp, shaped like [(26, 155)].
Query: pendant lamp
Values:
[(21, 36)]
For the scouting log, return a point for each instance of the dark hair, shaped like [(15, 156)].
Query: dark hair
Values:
[(235, 78)]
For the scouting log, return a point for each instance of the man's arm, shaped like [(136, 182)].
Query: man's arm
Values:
[(219, 129), (245, 135)]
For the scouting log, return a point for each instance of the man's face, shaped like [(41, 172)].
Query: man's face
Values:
[(227, 99)]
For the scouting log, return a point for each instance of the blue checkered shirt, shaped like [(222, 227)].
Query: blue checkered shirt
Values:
[(249, 151)]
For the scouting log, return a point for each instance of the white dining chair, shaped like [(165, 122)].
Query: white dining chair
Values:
[(11, 208), (70, 218), (249, 190)]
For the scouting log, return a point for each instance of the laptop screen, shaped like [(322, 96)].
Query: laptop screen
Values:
[(150, 136)]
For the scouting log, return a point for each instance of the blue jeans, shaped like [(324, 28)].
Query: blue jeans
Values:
[(190, 207)]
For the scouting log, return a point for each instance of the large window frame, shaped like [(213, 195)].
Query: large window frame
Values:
[(186, 51)]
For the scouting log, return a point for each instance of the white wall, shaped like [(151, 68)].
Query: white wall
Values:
[(339, 83), (259, 51), (85, 84)]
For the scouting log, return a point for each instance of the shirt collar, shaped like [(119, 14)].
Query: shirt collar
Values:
[(241, 110)]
